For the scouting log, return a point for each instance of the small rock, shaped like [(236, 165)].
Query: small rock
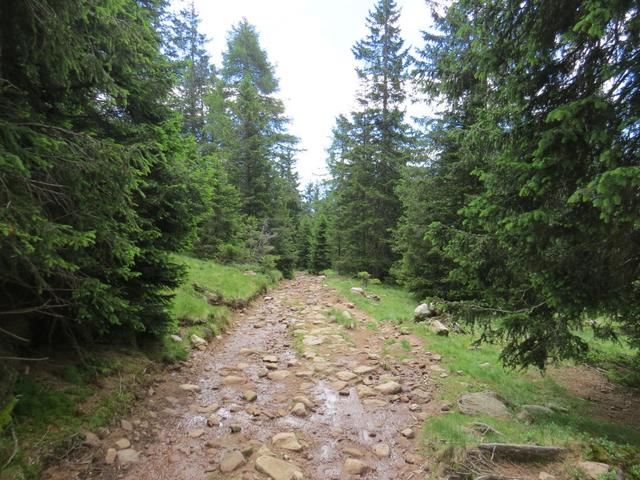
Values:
[(485, 365), (233, 380), (270, 359), (235, 428), (91, 439), (278, 375), (546, 476), (439, 328), (249, 395), (363, 369), (354, 467), (277, 469), (286, 441), (196, 433), (346, 376), (358, 291), (213, 421), (389, 388), (424, 311), (353, 452), (374, 403), (111, 456), (414, 407), (299, 410), (188, 387), (128, 456), (381, 450), (413, 459), (176, 338), (593, 470), (408, 433), (302, 399), (365, 392), (338, 385), (123, 443), (126, 425), (196, 340), (232, 461)]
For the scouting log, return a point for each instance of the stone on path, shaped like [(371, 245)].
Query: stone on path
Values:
[(231, 461), (302, 399), (354, 467), (381, 450), (277, 469), (233, 380), (128, 456), (338, 385), (408, 433), (299, 410), (189, 387), (593, 470), (486, 403), (346, 376), (363, 369), (311, 340), (374, 403), (389, 388), (110, 458), (278, 375), (353, 452), (213, 420), (286, 441), (123, 443), (364, 391), (270, 359), (249, 395), (196, 433)]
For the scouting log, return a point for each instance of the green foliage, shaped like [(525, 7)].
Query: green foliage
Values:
[(364, 278), (370, 149), (320, 252), (527, 207)]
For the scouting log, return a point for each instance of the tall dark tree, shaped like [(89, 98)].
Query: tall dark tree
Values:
[(187, 47), (544, 97), (375, 146)]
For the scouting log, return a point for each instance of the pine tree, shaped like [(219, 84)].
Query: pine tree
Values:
[(320, 253), (374, 146)]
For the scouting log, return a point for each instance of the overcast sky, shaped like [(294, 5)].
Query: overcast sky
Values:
[(309, 42)]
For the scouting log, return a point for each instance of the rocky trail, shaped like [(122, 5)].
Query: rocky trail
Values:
[(287, 393)]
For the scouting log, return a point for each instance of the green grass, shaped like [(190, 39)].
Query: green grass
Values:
[(463, 360)]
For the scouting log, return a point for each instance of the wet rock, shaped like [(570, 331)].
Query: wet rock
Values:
[(593, 470), (110, 458), (286, 441), (196, 433), (249, 395), (366, 392), (389, 388), (439, 328), (363, 369), (408, 433), (486, 403), (233, 380), (128, 456), (123, 443), (354, 467), (374, 403), (346, 376), (277, 469), (213, 421), (299, 410), (231, 461), (278, 375), (381, 450), (188, 387)]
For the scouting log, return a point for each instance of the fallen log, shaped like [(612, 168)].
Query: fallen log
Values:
[(522, 452)]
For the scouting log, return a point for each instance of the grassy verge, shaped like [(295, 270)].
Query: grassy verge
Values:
[(59, 399), (474, 369)]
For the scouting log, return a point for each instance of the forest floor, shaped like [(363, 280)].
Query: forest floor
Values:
[(306, 384)]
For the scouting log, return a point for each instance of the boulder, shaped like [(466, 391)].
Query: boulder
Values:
[(593, 470), (486, 403), (439, 328), (424, 311)]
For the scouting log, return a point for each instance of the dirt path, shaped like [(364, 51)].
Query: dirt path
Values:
[(337, 400)]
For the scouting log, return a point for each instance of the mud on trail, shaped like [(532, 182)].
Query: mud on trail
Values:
[(330, 401)]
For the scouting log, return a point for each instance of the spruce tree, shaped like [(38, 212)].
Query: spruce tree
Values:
[(373, 148)]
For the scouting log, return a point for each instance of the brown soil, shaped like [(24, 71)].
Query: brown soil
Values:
[(166, 425)]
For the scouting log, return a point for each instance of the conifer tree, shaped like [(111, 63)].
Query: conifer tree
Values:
[(373, 148)]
